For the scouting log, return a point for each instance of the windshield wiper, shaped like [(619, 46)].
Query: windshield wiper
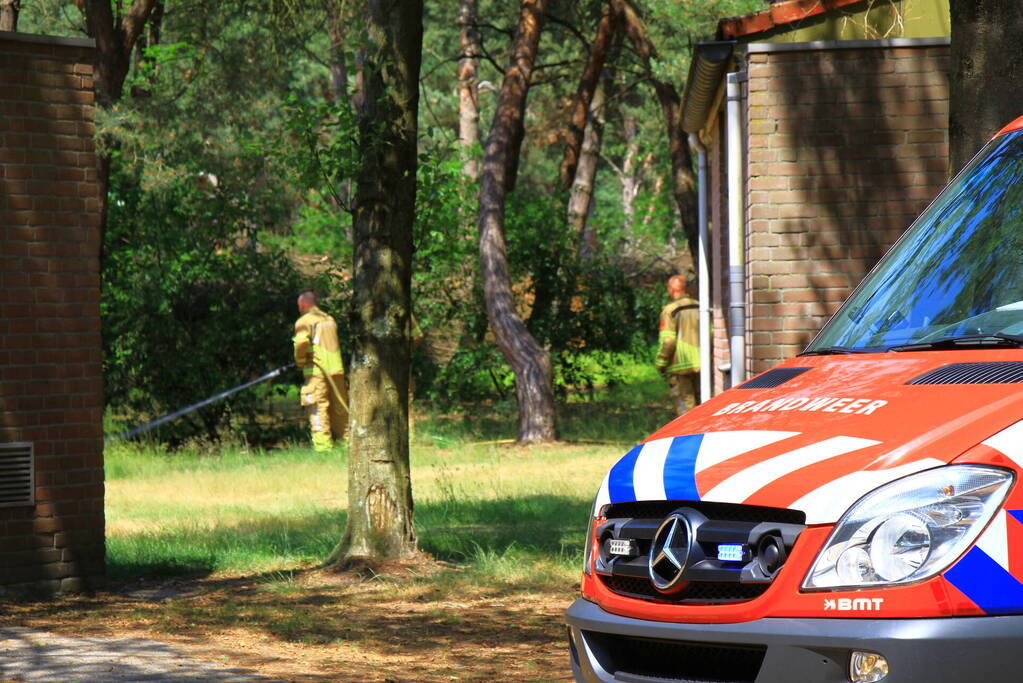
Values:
[(975, 341), (832, 351)]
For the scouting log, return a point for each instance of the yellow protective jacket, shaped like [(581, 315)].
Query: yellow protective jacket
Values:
[(317, 349), (679, 334)]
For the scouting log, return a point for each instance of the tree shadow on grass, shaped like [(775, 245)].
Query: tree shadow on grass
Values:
[(542, 527)]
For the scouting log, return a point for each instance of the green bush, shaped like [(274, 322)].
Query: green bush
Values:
[(192, 303)]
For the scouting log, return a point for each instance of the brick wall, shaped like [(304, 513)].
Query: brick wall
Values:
[(845, 147), (50, 358)]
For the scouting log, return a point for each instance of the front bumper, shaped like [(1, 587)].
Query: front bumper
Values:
[(611, 649)]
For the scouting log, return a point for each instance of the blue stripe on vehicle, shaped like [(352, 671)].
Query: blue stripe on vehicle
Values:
[(1017, 514), (986, 583), (680, 468), (619, 481)]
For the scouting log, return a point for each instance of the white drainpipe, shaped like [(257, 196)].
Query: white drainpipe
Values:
[(703, 269), (736, 230)]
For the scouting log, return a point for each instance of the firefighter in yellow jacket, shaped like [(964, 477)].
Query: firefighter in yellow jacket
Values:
[(678, 358), (318, 354)]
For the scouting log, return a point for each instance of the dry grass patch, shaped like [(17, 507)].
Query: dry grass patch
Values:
[(314, 625)]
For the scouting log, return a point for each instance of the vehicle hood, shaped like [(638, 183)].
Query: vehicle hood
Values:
[(832, 429)]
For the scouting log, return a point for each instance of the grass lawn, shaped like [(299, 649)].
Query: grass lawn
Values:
[(218, 551)]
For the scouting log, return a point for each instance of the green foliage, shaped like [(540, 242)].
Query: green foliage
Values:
[(234, 151), (192, 304)]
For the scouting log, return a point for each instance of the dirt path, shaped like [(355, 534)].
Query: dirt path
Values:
[(48, 658), (318, 626)]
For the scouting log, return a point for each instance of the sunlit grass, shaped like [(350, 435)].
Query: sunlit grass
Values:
[(501, 513)]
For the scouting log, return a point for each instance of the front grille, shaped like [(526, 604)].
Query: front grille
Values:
[(636, 659), (1008, 372), (730, 553), (695, 592)]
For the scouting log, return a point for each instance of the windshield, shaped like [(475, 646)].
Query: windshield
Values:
[(957, 272)]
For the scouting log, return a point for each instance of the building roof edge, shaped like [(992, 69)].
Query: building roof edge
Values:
[(711, 61), (759, 48), (16, 36), (778, 14)]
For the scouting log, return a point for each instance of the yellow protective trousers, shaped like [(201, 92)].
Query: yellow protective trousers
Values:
[(328, 417), (683, 388)]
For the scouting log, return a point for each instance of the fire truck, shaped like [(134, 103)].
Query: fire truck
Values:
[(854, 514)]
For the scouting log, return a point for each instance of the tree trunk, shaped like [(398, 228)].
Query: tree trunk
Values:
[(581, 107), (630, 178), (581, 198), (986, 70), (115, 38), (528, 360), (682, 176), (338, 66), (9, 14), (468, 97), (379, 481)]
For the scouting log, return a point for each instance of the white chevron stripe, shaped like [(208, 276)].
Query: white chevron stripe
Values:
[(1010, 442), (744, 484), (648, 474), (829, 502), (717, 447), (995, 539), (603, 494)]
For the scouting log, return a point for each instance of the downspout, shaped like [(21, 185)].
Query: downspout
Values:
[(703, 267), (700, 104), (736, 230)]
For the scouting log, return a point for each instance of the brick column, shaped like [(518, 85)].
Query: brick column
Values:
[(51, 391), (846, 147)]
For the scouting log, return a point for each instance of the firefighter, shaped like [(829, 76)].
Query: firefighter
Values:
[(678, 358), (318, 354)]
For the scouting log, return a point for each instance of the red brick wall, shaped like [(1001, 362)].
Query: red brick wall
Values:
[(845, 147), (50, 358)]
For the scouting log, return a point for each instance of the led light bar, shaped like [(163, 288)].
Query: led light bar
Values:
[(728, 552), (622, 547)]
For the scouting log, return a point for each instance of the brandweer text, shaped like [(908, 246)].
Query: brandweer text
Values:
[(857, 406)]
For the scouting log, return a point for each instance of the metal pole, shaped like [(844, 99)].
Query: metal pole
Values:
[(736, 230), (703, 267)]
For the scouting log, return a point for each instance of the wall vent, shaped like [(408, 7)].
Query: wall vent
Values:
[(997, 372), (17, 474)]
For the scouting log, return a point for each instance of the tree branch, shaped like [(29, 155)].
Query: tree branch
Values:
[(607, 27), (571, 29), (135, 20)]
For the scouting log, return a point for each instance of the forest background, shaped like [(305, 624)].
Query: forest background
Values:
[(229, 148)]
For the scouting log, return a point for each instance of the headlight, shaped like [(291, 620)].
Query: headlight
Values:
[(910, 529), (596, 518)]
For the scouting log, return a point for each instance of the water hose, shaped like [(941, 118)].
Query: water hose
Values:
[(195, 406), (333, 387)]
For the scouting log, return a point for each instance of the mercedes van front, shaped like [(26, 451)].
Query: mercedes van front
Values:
[(854, 513)]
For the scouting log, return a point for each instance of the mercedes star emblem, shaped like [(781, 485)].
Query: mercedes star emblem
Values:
[(669, 552)]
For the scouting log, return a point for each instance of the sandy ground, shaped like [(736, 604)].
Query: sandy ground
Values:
[(398, 626)]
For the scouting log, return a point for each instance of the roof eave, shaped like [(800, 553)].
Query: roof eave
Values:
[(711, 61)]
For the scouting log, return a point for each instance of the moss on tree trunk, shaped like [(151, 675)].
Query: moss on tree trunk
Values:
[(379, 483)]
